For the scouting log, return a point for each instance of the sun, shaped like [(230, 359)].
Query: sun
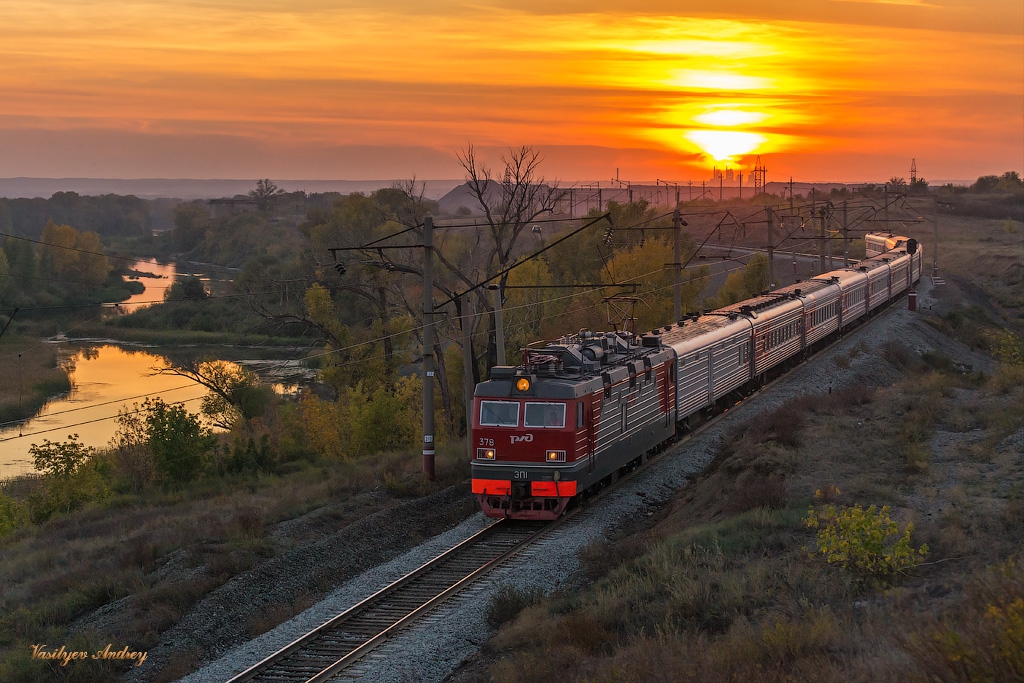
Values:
[(725, 145)]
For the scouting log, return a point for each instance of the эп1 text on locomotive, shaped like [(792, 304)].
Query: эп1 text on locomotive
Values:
[(579, 410)]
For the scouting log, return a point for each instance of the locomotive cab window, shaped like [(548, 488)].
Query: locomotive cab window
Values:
[(499, 414), (550, 415)]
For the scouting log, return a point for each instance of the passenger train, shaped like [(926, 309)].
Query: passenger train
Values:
[(580, 410)]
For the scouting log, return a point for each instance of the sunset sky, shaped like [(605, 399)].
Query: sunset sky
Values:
[(822, 90)]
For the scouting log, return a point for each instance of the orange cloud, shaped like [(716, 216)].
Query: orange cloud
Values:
[(441, 75)]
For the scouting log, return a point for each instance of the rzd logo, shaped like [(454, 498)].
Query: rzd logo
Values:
[(525, 438)]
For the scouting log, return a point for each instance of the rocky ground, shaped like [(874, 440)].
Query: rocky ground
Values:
[(364, 557)]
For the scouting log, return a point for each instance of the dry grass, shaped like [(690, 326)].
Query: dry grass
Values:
[(169, 548), (724, 587), (32, 374)]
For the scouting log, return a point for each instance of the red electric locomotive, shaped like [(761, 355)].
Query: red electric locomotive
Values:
[(572, 414)]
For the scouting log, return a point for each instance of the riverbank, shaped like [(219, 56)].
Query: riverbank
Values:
[(32, 375)]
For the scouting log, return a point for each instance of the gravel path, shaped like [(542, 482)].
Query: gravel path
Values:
[(432, 649)]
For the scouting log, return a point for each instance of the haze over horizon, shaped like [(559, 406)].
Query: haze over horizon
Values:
[(218, 89)]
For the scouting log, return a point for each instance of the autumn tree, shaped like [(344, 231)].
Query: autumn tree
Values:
[(743, 284), (191, 221), (74, 258)]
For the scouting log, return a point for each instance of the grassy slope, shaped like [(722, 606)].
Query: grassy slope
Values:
[(170, 549), (725, 584)]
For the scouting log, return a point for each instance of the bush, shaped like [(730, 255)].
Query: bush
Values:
[(866, 542), (11, 515)]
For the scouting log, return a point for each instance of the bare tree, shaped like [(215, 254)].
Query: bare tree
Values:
[(509, 206), (265, 194)]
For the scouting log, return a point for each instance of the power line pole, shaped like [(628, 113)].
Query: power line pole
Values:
[(428, 347), (677, 284), (499, 324), (467, 368), (771, 250), (846, 238), (821, 243), (935, 249), (885, 203)]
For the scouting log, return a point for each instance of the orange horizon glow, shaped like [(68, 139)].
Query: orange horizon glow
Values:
[(269, 89)]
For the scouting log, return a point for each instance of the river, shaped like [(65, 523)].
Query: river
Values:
[(107, 378)]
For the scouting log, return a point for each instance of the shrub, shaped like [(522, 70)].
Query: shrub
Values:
[(755, 491), (508, 602), (866, 542), (11, 515)]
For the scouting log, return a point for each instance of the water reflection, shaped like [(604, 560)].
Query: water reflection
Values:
[(158, 277), (105, 379)]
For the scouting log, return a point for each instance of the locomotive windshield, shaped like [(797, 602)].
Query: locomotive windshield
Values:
[(499, 414), (544, 415)]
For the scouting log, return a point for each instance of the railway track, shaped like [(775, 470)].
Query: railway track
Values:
[(329, 649)]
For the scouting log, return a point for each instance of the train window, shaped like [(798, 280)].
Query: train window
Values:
[(499, 413), (544, 415)]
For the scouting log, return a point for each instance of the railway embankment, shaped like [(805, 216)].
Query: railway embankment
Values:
[(728, 581), (707, 550)]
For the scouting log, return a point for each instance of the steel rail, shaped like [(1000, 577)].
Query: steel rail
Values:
[(330, 641)]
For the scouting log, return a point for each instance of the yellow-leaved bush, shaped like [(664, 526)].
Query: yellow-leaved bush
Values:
[(866, 542)]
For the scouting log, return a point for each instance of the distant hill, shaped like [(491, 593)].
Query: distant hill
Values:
[(186, 188)]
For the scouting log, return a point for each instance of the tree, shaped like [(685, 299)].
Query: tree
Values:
[(1010, 182), (745, 284), (59, 458), (191, 222), (180, 444), (130, 445), (509, 206), (188, 288), (73, 257), (235, 392), (986, 183), (70, 482), (265, 193)]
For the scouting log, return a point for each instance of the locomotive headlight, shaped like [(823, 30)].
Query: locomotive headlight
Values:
[(523, 384), (555, 456), (485, 453)]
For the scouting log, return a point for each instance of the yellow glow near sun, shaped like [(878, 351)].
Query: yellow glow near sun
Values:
[(730, 117), (702, 79), (724, 145)]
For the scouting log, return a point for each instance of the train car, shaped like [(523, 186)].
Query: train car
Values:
[(853, 297), (776, 324), (821, 301), (571, 415), (713, 359), (878, 243), (877, 270)]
